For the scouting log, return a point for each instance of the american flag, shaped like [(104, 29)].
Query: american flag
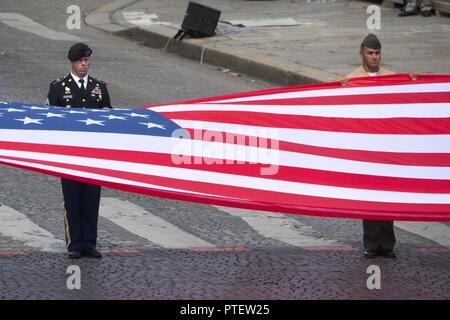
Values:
[(377, 148)]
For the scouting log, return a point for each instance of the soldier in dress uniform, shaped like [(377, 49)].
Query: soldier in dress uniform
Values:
[(81, 200), (379, 237)]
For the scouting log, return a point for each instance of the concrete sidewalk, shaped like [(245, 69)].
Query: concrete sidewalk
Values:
[(303, 41)]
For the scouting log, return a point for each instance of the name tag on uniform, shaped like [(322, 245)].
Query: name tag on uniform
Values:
[(67, 96)]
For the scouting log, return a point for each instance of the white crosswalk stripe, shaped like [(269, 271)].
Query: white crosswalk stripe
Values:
[(23, 23), (146, 225), (435, 231), (281, 227), (18, 227)]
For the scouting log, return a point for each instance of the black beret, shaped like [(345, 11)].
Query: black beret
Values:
[(78, 51), (371, 41)]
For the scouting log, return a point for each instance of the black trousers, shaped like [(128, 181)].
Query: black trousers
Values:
[(378, 235), (81, 204)]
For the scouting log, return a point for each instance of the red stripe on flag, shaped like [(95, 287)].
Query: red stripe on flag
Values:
[(283, 173), (390, 80), (386, 98), (418, 212), (270, 120), (399, 158), (258, 195)]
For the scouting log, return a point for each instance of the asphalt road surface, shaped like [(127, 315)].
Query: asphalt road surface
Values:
[(163, 249)]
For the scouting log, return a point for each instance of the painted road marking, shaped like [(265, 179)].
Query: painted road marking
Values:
[(239, 249), (433, 250), (120, 251), (280, 227), (435, 231), (23, 23), (17, 226), (148, 226), (140, 18), (12, 253)]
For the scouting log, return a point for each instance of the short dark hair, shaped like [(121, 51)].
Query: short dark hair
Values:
[(371, 41)]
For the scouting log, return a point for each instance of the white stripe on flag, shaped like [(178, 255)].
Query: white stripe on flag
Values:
[(435, 231), (432, 143), (148, 226), (241, 181), (17, 226), (365, 111), (94, 176), (195, 148), (341, 140), (280, 227), (323, 93)]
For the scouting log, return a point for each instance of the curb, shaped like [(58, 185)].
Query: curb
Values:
[(101, 18), (268, 68)]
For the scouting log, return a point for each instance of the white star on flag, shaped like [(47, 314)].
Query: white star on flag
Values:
[(1, 114), (99, 110), (3, 102), (27, 120), (90, 121), (112, 117), (52, 115), (74, 111), (152, 125), (136, 115), (38, 108), (15, 110)]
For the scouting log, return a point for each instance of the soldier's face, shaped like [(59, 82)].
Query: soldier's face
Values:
[(371, 58), (81, 66)]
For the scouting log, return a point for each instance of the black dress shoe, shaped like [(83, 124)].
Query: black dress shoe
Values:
[(91, 254), (426, 13), (369, 253), (74, 254)]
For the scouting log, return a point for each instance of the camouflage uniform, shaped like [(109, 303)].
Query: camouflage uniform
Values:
[(413, 7)]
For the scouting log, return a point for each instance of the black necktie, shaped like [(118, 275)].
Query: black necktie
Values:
[(81, 81)]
